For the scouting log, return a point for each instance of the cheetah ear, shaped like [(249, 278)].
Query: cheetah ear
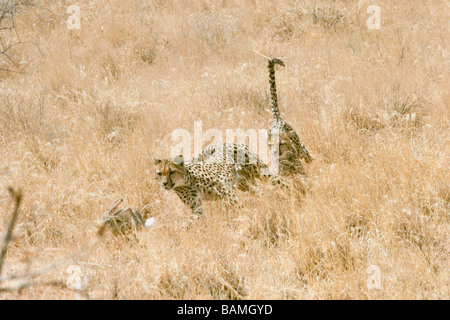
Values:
[(179, 160), (157, 161)]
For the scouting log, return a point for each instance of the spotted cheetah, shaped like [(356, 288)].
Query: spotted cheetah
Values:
[(213, 175), (291, 150), (194, 182), (249, 164)]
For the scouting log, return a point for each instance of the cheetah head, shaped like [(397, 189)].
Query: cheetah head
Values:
[(171, 173)]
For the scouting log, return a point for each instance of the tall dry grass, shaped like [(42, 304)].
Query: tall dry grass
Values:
[(80, 129)]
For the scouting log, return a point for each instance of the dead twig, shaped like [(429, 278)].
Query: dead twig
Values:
[(9, 35), (262, 55), (7, 237), (28, 279), (27, 284)]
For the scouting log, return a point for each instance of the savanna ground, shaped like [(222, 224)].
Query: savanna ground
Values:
[(91, 107)]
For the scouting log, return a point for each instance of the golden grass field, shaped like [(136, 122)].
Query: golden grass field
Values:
[(80, 126)]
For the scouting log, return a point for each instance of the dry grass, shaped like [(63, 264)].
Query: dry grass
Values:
[(80, 130)]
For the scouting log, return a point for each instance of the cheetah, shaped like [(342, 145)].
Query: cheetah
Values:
[(194, 182), (212, 175), (291, 150), (249, 164)]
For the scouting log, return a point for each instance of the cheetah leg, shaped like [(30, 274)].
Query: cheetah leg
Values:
[(244, 180), (233, 200), (230, 196), (278, 180), (193, 200), (196, 206)]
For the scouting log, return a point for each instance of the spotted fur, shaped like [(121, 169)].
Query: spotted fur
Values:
[(291, 150), (250, 167), (194, 182), (213, 175), (248, 164)]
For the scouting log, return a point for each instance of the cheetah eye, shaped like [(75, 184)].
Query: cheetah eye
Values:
[(158, 173), (172, 171)]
